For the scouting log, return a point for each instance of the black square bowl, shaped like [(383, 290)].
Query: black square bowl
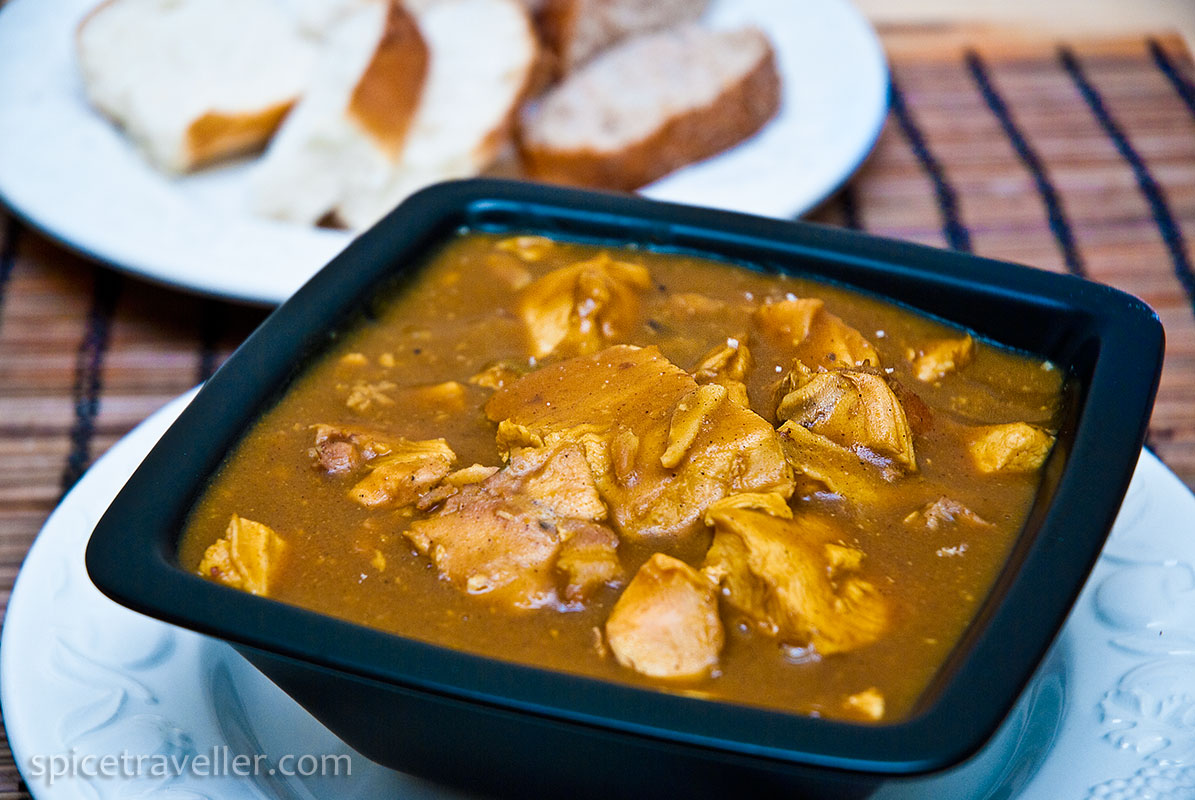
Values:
[(504, 727)]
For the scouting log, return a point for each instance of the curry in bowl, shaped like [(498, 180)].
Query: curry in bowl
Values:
[(647, 467)]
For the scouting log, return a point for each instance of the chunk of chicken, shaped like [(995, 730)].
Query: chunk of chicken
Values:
[(868, 703), (689, 414), (943, 512), (660, 448), (245, 557), (941, 357), (624, 452), (445, 398), (452, 483), (727, 365), (528, 248), (404, 473), (588, 558), (364, 395), (602, 390), (504, 536), (770, 503), (339, 450), (495, 376), (804, 327), (920, 416), (822, 463), (666, 624), (580, 308), (795, 579), (1010, 447), (852, 407)]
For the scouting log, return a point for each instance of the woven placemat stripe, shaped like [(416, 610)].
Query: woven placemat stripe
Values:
[(848, 205), (211, 330), (89, 370), (957, 235), (1060, 227), (1159, 208), (8, 768), (1182, 85), (8, 254)]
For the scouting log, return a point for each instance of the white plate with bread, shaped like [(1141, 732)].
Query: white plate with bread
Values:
[(232, 147)]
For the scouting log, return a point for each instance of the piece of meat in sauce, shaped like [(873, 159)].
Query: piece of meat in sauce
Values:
[(399, 470), (660, 447), (853, 407), (245, 557), (339, 449), (403, 474), (452, 483), (1009, 447), (527, 248), (727, 365), (802, 328), (820, 465), (867, 704), (498, 374), (941, 357), (944, 512), (666, 624), (588, 559), (582, 307), (794, 576), (530, 535)]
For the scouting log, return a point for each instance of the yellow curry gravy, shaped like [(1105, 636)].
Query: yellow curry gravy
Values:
[(919, 521)]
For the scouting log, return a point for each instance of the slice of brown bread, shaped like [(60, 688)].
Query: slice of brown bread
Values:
[(650, 106), (576, 30)]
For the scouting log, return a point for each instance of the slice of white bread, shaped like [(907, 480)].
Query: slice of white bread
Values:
[(576, 30), (352, 124), (483, 55), (193, 81), (651, 105), (317, 17)]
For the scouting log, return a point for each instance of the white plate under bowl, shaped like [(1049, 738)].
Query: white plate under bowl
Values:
[(69, 172), (1109, 716)]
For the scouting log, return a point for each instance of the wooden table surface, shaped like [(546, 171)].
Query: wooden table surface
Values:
[(1075, 155)]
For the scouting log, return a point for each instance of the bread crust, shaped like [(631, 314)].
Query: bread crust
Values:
[(575, 31), (489, 148), (357, 209), (557, 22), (216, 135), (88, 17), (739, 111), (386, 97)]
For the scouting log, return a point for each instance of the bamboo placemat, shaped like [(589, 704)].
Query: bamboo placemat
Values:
[(1076, 156)]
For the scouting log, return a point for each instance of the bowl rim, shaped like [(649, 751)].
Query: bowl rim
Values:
[(1115, 338)]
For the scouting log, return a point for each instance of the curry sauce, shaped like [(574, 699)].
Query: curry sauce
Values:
[(646, 467)]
